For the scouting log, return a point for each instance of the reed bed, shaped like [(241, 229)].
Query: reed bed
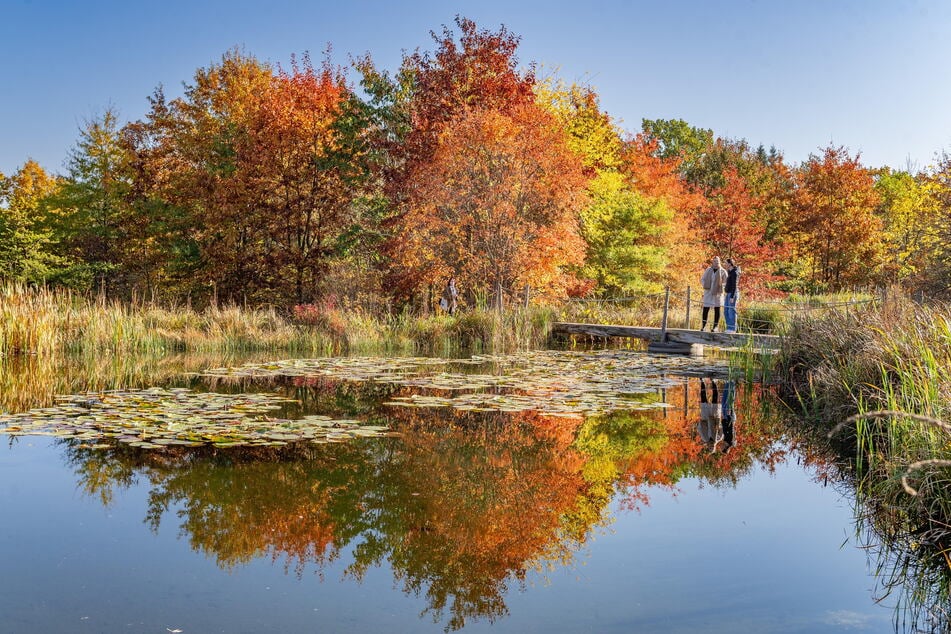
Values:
[(880, 382), (46, 323)]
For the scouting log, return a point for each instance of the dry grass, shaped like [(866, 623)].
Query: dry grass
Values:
[(43, 322)]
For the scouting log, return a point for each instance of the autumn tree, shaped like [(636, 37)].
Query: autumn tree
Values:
[(731, 224), (908, 207), (720, 170), (304, 162), (498, 204), (623, 230), (677, 140), (659, 179), (591, 133), (25, 240), (837, 236), (478, 71), (936, 274), (265, 166), (191, 154)]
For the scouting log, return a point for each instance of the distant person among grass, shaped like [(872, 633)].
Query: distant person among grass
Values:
[(713, 282), (732, 296), (450, 296)]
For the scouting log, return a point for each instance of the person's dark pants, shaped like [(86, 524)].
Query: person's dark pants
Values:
[(715, 396), (716, 317)]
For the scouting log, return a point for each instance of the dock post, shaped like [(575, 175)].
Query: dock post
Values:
[(663, 323), (663, 346), (687, 320)]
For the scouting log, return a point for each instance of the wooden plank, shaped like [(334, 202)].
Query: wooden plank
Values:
[(679, 335)]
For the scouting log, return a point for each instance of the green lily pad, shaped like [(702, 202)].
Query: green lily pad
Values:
[(156, 418)]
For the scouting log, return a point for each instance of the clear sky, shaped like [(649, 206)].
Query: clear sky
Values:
[(873, 75)]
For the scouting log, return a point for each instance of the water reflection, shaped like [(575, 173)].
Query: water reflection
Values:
[(461, 506), (717, 424), (911, 562), (28, 382)]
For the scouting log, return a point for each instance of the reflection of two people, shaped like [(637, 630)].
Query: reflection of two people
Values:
[(717, 415)]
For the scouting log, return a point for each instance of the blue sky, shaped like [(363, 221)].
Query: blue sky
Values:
[(872, 75)]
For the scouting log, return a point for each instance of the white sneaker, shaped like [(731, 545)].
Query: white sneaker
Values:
[(730, 332)]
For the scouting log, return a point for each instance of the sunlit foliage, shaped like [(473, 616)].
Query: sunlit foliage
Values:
[(281, 185)]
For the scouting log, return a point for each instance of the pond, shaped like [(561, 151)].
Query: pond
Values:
[(548, 491)]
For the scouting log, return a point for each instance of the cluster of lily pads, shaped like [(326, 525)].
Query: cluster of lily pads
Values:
[(551, 382), (156, 417)]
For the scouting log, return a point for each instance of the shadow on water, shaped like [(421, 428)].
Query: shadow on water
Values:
[(461, 506)]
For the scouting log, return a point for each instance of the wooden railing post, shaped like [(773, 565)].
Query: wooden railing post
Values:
[(663, 323), (687, 320)]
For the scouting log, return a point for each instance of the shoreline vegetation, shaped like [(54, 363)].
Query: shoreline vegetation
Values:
[(53, 322), (878, 383), (44, 322)]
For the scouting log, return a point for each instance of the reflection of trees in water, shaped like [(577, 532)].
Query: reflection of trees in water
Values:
[(468, 504), (27, 382), (296, 503), (461, 506)]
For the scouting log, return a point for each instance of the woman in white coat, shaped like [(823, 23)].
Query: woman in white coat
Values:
[(713, 282)]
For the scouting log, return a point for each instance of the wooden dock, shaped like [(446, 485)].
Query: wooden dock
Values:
[(679, 340)]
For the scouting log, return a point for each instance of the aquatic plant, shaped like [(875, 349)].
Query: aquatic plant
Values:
[(882, 378), (557, 383), (156, 417)]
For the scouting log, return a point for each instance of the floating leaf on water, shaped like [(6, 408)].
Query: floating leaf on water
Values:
[(155, 418), (543, 381)]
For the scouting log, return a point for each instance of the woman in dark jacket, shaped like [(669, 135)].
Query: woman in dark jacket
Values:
[(732, 291)]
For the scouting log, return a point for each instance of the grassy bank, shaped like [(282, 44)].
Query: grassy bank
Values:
[(45, 323), (880, 382)]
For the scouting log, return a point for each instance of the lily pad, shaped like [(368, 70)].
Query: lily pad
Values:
[(549, 382), (157, 418)]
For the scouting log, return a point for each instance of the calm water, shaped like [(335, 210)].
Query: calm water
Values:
[(504, 521)]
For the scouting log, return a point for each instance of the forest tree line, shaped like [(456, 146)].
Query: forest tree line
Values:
[(265, 184)]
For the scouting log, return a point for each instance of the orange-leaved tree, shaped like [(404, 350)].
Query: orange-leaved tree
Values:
[(731, 224), (837, 235), (304, 163), (477, 70), (659, 178), (498, 204)]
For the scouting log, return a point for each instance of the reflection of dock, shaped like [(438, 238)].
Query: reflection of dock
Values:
[(675, 340)]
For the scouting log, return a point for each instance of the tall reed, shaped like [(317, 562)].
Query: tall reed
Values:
[(45, 323), (882, 378)]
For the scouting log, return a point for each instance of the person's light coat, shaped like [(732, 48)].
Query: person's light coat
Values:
[(713, 282)]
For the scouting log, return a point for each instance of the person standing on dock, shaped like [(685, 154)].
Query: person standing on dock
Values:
[(732, 294), (713, 282)]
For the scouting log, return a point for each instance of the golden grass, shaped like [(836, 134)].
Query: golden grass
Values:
[(45, 323)]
